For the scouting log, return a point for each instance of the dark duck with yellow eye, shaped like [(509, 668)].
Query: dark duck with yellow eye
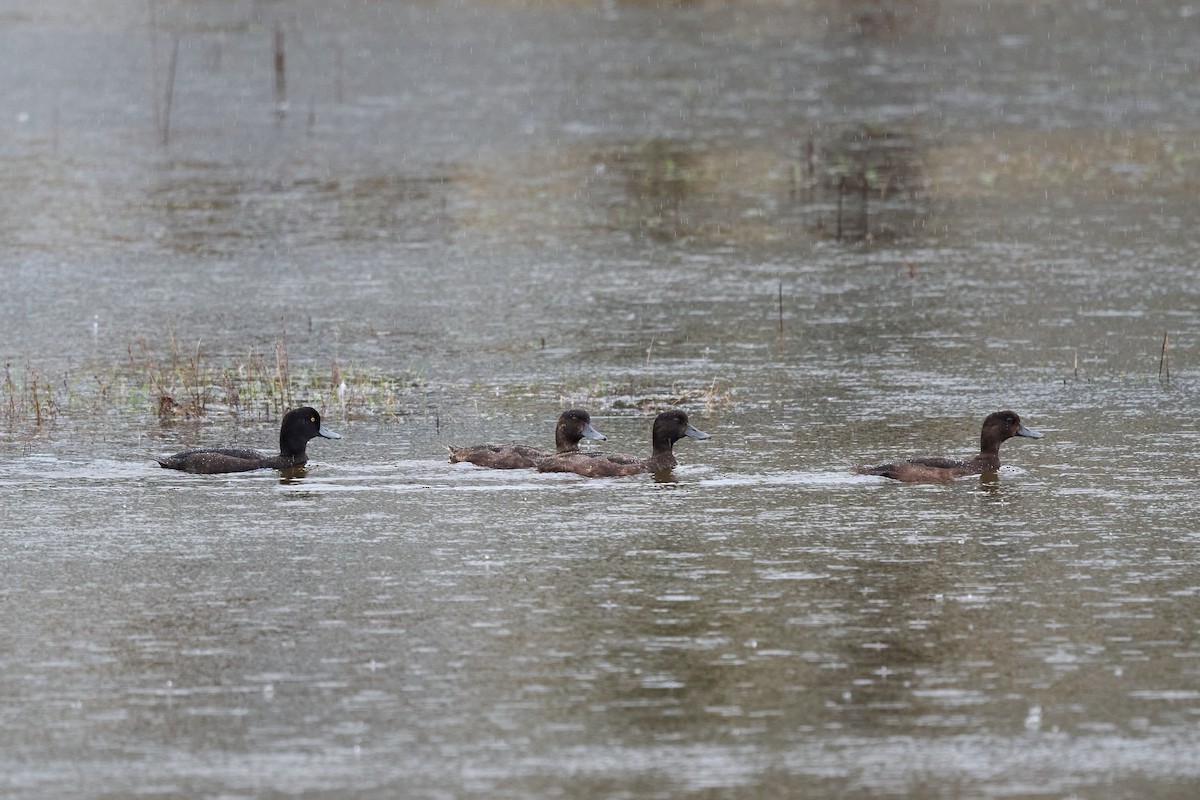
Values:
[(573, 425), (997, 429), (298, 427), (669, 427)]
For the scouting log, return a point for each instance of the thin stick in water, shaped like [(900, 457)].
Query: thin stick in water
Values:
[(166, 119), (1164, 360), (781, 311), (155, 97), (841, 196), (339, 86), (280, 75), (866, 219)]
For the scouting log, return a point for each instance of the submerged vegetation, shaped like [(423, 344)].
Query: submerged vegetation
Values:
[(706, 399)]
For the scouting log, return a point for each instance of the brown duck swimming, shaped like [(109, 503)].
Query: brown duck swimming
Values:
[(298, 427), (997, 428), (669, 427), (572, 426)]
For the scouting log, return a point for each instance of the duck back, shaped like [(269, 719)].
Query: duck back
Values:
[(572, 426)]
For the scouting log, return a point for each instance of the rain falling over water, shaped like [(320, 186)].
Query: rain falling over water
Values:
[(833, 233)]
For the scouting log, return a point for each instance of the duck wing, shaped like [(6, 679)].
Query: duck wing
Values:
[(211, 461)]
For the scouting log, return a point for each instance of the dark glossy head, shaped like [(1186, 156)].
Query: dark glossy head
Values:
[(670, 427), (1001, 426), (572, 426), (298, 427)]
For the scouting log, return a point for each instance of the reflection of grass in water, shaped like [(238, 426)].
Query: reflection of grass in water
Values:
[(181, 384)]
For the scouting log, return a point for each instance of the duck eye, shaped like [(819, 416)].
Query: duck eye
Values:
[(312, 419)]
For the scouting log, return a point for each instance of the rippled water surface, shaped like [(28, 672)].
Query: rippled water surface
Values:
[(832, 232)]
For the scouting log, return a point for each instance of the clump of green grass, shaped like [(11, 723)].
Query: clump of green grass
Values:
[(28, 398), (180, 384), (186, 383)]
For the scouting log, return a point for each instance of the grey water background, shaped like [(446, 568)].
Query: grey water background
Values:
[(516, 208)]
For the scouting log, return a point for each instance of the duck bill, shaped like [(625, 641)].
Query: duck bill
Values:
[(1029, 433), (695, 433), (328, 434), (591, 433)]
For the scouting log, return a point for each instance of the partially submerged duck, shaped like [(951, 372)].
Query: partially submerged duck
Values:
[(298, 427), (573, 425), (669, 427), (997, 428)]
